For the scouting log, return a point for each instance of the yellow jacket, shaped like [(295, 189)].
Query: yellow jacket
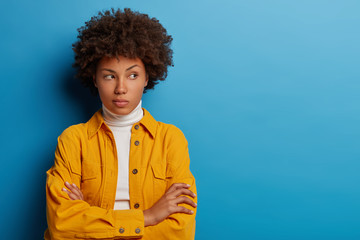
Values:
[(86, 155)]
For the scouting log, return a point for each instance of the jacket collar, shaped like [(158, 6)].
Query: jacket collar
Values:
[(97, 121)]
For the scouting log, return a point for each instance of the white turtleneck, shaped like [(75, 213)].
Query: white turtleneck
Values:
[(120, 125)]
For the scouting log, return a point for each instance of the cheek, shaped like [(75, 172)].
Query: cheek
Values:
[(104, 91), (140, 91), (136, 87)]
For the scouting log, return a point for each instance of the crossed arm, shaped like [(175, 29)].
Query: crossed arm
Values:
[(168, 204)]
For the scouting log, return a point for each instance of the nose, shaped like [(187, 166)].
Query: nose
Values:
[(120, 87)]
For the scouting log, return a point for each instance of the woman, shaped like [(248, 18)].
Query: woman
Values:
[(122, 174)]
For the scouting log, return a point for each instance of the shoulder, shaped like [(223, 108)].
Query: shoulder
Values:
[(171, 134), (72, 141), (162, 131), (175, 146), (169, 129), (74, 132), (83, 130)]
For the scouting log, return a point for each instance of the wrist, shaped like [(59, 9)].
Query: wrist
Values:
[(148, 221)]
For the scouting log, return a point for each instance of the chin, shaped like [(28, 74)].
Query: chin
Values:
[(122, 111)]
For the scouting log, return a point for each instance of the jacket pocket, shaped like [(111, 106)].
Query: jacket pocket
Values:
[(159, 171), (160, 180), (90, 181), (86, 172), (90, 171)]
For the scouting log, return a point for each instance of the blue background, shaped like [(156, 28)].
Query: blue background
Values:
[(266, 92)]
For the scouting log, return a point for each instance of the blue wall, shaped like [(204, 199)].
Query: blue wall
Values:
[(267, 93)]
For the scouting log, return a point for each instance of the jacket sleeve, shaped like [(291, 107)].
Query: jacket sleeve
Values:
[(179, 226), (71, 219)]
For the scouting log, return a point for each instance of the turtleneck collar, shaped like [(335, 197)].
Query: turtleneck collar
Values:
[(115, 120)]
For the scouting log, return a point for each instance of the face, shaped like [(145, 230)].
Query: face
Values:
[(120, 82)]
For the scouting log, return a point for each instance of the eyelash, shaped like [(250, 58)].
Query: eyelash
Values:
[(106, 77), (131, 76), (134, 76)]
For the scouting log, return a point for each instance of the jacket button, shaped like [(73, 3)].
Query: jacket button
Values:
[(121, 230), (137, 230), (136, 205), (135, 171), (136, 127), (137, 143)]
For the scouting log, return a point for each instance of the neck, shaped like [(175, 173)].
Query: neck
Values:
[(115, 120)]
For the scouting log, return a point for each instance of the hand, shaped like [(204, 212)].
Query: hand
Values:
[(168, 204), (74, 193)]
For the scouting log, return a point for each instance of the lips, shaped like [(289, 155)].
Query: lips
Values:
[(120, 102)]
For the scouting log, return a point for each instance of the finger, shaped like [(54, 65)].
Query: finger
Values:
[(185, 200), (176, 186), (69, 186), (74, 196), (183, 191), (74, 189), (181, 209), (71, 195), (78, 190), (65, 190)]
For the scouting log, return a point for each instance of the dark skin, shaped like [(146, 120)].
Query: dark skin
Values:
[(168, 204)]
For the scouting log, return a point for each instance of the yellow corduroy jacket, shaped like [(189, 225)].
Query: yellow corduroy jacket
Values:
[(86, 155)]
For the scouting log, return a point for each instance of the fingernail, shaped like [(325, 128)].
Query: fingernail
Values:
[(67, 183), (74, 184), (195, 205), (191, 211), (63, 189), (188, 185)]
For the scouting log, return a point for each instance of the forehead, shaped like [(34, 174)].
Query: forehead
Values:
[(119, 62)]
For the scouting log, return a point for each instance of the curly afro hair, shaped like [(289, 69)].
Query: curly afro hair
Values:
[(126, 33)]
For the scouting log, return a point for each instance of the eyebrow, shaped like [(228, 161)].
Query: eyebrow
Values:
[(109, 70), (132, 67), (112, 71)]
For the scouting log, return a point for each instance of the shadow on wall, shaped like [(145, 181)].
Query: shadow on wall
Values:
[(84, 105), (81, 96)]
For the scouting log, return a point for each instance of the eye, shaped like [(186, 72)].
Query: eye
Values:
[(133, 76), (109, 77)]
